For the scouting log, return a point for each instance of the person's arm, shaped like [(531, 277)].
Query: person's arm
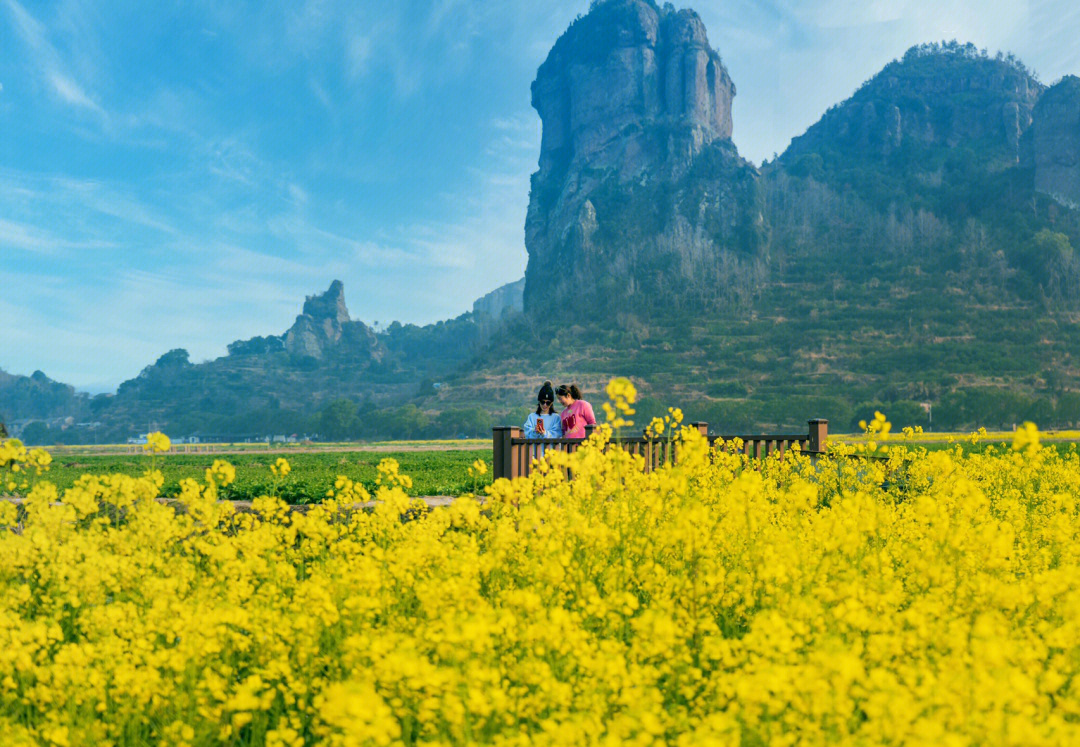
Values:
[(555, 431), (530, 426), (587, 413)]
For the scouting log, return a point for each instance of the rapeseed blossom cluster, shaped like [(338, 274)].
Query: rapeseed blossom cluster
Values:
[(621, 395), (157, 442), (925, 597), (1026, 438), (657, 426), (878, 428), (281, 467)]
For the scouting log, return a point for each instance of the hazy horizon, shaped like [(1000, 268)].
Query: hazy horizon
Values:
[(185, 176)]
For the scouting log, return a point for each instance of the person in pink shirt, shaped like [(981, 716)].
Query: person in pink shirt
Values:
[(576, 414)]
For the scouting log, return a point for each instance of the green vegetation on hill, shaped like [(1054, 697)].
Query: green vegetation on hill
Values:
[(925, 360)]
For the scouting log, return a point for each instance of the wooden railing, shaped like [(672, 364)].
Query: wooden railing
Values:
[(513, 454)]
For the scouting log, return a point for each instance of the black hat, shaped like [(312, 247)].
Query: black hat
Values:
[(546, 394)]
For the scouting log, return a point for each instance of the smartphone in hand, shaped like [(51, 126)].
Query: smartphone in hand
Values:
[(540, 425)]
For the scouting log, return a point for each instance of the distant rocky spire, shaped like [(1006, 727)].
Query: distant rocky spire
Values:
[(328, 305), (320, 323)]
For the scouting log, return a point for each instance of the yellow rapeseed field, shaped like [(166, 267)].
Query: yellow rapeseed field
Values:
[(919, 598)]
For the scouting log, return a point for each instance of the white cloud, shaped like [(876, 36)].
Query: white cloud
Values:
[(58, 200), (1048, 41), (297, 194), (30, 238), (485, 248), (231, 159), (30, 29), (49, 61), (108, 200), (357, 54), (239, 261), (965, 19), (70, 92), (321, 94)]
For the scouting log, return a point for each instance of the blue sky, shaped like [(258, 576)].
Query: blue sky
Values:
[(182, 174)]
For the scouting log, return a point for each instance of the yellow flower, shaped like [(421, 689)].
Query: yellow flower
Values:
[(715, 599), (280, 468), (1026, 438), (8, 514), (221, 473), (622, 395), (656, 427), (621, 389), (157, 442)]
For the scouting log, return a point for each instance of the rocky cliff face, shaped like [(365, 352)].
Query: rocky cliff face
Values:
[(1055, 142), (945, 96), (927, 165), (617, 73), (504, 300), (637, 171)]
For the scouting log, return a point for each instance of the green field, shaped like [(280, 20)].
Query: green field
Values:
[(443, 472), (436, 468), (278, 449)]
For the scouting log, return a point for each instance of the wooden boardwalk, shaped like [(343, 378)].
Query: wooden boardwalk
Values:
[(513, 454)]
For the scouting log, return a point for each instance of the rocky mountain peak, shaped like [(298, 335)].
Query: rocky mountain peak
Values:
[(637, 171), (618, 73), (937, 95), (320, 325), (329, 305)]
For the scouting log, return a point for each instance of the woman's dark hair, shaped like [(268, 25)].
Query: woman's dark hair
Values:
[(545, 395), (571, 389)]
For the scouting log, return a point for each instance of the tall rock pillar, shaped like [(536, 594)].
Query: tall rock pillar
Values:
[(640, 195)]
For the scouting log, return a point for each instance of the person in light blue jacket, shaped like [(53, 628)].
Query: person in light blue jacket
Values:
[(545, 422)]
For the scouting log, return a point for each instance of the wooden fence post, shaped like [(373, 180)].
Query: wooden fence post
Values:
[(819, 434), (502, 451), (702, 428)]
